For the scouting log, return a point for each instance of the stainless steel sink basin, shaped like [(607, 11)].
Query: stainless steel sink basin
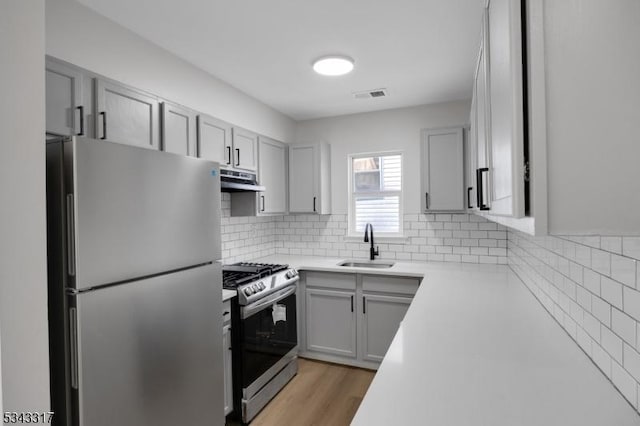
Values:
[(366, 264)]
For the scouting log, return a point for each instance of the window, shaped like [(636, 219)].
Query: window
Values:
[(375, 193)]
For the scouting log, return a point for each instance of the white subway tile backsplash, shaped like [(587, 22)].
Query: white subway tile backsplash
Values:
[(592, 326), (632, 302), (631, 247), (624, 326), (623, 269), (601, 261), (611, 343), (611, 291), (602, 359), (603, 320), (632, 361), (592, 281), (611, 244)]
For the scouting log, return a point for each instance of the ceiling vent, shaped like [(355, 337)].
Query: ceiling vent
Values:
[(367, 94)]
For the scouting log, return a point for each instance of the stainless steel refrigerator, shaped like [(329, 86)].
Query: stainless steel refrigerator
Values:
[(134, 286)]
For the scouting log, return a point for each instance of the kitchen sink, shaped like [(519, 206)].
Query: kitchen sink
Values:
[(366, 264)]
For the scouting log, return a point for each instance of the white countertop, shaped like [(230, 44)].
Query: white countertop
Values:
[(476, 348), (228, 294)]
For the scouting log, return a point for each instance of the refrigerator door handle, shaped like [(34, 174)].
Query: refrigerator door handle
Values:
[(71, 237), (73, 340)]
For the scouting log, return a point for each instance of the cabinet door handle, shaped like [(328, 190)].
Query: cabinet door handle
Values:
[(229, 155), (314, 204), (469, 189), (364, 306), (237, 156), (352, 303), (81, 112), (426, 201), (262, 199), (104, 124), (480, 186)]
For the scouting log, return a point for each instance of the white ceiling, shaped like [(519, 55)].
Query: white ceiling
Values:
[(422, 51)]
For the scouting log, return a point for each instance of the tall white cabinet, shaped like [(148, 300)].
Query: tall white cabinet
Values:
[(65, 111), (178, 129), (245, 150), (506, 107), (497, 139), (214, 140), (126, 115), (310, 179), (272, 174), (442, 169)]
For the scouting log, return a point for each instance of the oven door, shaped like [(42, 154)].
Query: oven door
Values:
[(268, 336)]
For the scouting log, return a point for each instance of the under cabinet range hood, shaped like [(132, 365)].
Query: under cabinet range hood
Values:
[(234, 181)]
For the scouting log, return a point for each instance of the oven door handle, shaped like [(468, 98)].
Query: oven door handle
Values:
[(256, 307)]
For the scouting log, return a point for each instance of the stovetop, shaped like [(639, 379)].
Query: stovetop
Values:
[(241, 273), (254, 281)]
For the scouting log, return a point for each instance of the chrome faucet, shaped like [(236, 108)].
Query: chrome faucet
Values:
[(372, 252)]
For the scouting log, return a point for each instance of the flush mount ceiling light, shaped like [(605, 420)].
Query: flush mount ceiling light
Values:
[(333, 65)]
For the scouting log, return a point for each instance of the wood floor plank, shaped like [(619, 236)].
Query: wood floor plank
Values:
[(321, 394)]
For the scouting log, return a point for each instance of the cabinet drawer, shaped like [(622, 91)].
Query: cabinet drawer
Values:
[(226, 311), (330, 280), (400, 285)]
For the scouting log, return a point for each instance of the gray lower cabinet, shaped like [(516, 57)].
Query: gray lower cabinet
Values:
[(331, 322), (65, 112), (228, 379), (126, 115), (381, 318), (226, 357), (352, 318), (178, 129)]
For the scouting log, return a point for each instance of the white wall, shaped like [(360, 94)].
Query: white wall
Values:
[(23, 274), (397, 129), (78, 35), (593, 111)]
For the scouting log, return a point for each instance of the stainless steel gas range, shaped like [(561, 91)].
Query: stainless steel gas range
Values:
[(263, 331)]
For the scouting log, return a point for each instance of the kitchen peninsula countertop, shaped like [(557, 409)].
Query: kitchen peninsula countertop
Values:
[(476, 348)]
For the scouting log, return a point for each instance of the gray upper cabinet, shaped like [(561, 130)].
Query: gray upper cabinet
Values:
[(214, 140), (178, 129), (443, 169), (310, 179), (64, 108), (245, 149), (506, 118), (273, 176), (126, 115)]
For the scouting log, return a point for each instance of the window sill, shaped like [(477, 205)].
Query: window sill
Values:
[(393, 239)]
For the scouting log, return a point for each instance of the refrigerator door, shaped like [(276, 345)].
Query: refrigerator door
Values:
[(150, 351), (138, 212)]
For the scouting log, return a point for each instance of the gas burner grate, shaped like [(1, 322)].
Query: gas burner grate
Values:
[(241, 273)]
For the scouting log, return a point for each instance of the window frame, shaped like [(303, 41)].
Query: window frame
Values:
[(351, 207)]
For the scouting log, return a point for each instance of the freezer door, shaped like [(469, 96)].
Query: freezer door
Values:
[(150, 352), (138, 212)]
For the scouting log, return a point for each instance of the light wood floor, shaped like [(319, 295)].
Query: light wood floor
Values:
[(320, 394)]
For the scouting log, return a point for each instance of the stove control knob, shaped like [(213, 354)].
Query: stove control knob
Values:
[(255, 288), (261, 286), (248, 291), (291, 273)]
